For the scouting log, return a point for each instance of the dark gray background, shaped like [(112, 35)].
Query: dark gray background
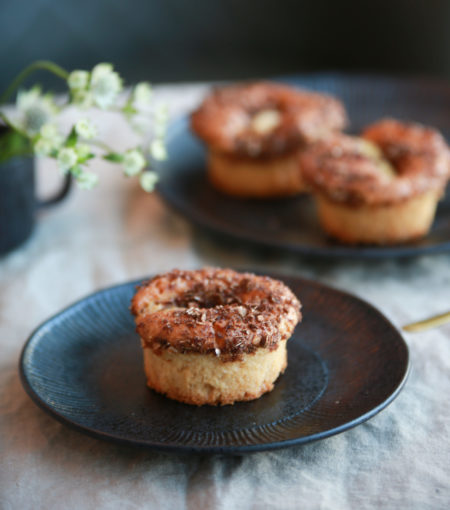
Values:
[(178, 40)]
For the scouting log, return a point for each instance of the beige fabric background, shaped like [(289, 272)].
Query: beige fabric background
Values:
[(399, 459)]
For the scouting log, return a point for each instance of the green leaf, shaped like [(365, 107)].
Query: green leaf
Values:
[(114, 157), (13, 144), (86, 158), (72, 138), (128, 109)]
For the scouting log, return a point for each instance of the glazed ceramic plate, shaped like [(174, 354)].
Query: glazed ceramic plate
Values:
[(291, 224), (346, 363)]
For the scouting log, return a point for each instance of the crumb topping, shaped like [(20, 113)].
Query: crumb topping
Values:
[(263, 120), (392, 161), (217, 311)]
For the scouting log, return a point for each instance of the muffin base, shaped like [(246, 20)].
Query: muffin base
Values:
[(200, 379), (379, 224), (258, 178)]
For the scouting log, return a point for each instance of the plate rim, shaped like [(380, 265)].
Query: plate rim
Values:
[(221, 450), (332, 252)]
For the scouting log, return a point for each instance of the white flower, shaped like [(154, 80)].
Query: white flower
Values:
[(78, 80), (50, 139), (142, 93), (133, 162), (105, 85), (85, 129), (158, 150), (43, 147), (27, 98), (83, 99), (82, 150), (148, 181), (101, 70), (50, 133), (67, 158), (87, 180), (35, 110)]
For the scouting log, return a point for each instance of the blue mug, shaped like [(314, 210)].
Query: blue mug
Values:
[(18, 201)]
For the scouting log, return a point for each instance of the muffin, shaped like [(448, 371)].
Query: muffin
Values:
[(380, 188), (214, 336), (254, 131)]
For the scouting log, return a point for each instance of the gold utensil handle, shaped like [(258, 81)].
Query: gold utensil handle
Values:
[(432, 322)]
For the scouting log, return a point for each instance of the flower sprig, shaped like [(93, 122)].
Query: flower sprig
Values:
[(99, 88)]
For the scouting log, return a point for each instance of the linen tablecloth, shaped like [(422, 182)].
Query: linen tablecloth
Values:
[(398, 459)]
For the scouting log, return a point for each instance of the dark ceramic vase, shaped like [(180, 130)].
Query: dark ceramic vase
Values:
[(18, 202)]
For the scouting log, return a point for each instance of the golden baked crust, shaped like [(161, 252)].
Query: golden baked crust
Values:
[(395, 223), (226, 119), (214, 311), (200, 379), (393, 162), (260, 178)]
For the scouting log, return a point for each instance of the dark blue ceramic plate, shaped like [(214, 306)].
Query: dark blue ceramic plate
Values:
[(291, 224), (346, 363)]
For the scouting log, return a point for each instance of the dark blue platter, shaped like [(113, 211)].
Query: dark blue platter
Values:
[(291, 224), (346, 363)]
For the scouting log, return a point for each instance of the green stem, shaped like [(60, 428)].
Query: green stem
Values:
[(39, 64)]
